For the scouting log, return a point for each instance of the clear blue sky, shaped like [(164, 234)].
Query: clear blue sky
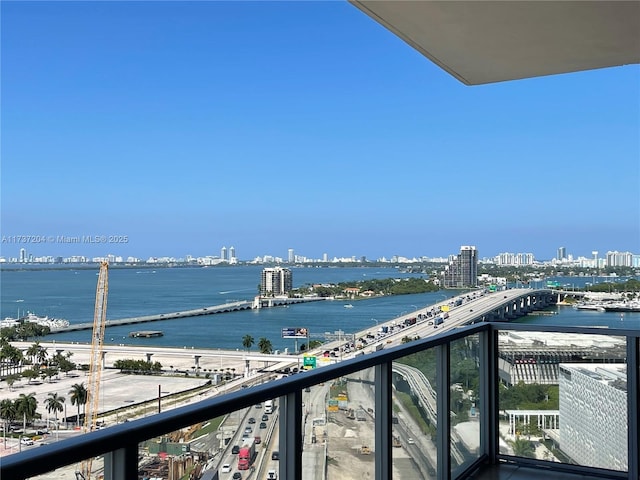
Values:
[(268, 126)]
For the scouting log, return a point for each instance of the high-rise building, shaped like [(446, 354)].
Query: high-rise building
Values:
[(232, 253), (223, 253), (562, 253), (462, 270), (619, 259), (292, 257), (593, 413), (23, 255), (276, 281), (325, 257)]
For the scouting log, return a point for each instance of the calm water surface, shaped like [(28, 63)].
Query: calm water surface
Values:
[(70, 294)]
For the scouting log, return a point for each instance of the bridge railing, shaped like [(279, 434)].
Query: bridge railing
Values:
[(367, 407)]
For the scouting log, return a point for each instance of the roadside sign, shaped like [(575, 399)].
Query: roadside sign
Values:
[(309, 362), (294, 332)]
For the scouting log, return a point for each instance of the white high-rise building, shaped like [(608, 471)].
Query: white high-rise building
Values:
[(593, 414), (232, 253), (276, 281), (223, 253), (23, 255), (292, 257)]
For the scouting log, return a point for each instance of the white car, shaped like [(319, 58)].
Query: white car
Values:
[(226, 468), (411, 441), (26, 441)]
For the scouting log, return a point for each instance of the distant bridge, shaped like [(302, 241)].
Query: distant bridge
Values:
[(258, 302)]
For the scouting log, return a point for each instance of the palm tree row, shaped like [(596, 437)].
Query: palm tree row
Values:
[(264, 344), (13, 361), (26, 405)]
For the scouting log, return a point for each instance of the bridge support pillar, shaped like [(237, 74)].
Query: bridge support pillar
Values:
[(103, 359), (196, 361), (247, 366), (149, 355)]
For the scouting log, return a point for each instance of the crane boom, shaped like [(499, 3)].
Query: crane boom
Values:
[(95, 365)]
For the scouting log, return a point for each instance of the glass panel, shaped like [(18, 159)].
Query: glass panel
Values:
[(414, 416), (465, 419), (237, 442), (563, 398), (339, 428)]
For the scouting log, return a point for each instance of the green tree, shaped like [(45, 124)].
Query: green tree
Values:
[(32, 351), (55, 403), (31, 373), (79, 396), (41, 356), (11, 379), (8, 413), (265, 345), (247, 342), (10, 353), (65, 365), (522, 448), (27, 405)]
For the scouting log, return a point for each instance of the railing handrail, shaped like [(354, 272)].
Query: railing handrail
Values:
[(75, 450)]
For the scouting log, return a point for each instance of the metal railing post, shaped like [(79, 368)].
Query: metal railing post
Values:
[(382, 422), (633, 386), (443, 434), (290, 438), (121, 463), (489, 394)]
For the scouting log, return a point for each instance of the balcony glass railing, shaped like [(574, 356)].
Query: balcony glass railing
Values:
[(561, 399)]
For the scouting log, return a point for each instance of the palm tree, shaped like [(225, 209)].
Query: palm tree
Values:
[(41, 356), (9, 352), (55, 403), (8, 414), (247, 342), (79, 396), (26, 405), (33, 350), (265, 345), (522, 448)]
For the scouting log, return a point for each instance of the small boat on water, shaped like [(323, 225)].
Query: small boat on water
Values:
[(623, 307), (348, 305), (590, 306), (146, 334)]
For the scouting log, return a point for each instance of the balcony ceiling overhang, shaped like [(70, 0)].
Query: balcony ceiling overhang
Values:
[(492, 41)]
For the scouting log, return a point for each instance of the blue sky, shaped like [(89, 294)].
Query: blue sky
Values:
[(306, 125)]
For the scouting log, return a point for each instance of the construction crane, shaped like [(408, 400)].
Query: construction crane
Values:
[(95, 365)]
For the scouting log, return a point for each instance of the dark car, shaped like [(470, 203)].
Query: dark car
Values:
[(237, 476), (235, 449), (265, 417), (252, 420), (263, 425), (275, 455)]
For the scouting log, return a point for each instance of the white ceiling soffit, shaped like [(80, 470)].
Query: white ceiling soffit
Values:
[(492, 41)]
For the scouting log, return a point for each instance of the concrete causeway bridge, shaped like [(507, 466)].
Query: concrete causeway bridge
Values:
[(258, 302)]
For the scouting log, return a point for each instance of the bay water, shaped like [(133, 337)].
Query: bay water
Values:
[(70, 294)]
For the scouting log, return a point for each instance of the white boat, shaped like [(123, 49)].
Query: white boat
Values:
[(52, 323), (590, 306), (348, 305)]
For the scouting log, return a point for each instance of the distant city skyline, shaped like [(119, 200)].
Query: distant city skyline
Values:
[(290, 255), (186, 126)]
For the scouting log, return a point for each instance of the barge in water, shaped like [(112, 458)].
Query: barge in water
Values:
[(146, 334)]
